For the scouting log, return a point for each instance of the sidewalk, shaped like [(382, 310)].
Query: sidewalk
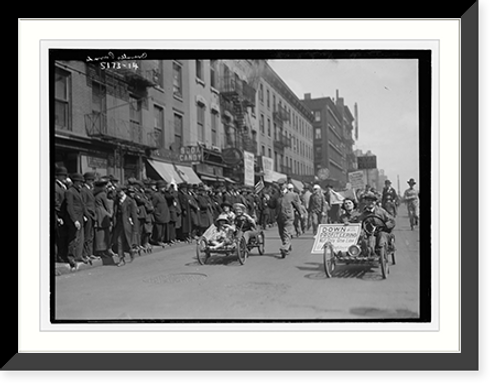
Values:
[(64, 268)]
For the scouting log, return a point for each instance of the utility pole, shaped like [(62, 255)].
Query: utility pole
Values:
[(399, 191)]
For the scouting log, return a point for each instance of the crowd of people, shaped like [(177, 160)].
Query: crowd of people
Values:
[(96, 216)]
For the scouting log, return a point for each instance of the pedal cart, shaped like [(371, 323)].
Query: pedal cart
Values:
[(359, 247)]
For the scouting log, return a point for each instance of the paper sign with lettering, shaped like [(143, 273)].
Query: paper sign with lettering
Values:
[(192, 154), (339, 235), (357, 179), (249, 168)]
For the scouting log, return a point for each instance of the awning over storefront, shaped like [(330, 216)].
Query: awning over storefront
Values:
[(229, 180), (187, 174), (297, 184), (209, 177), (166, 171)]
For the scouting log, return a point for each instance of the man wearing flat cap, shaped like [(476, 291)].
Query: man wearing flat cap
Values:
[(74, 210), (371, 208), (390, 198)]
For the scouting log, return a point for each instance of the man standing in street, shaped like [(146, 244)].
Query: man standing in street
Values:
[(161, 214), (59, 228), (286, 204), (317, 207), (89, 217), (74, 211)]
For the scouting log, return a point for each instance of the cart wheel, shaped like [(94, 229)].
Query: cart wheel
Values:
[(329, 260), (384, 265), (241, 250), (202, 252), (262, 242)]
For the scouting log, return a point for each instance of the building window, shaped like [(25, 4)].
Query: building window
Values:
[(215, 119), (177, 82), (274, 103), (178, 130), (317, 134), (135, 110), (213, 74), (269, 153), (261, 93), (199, 69), (269, 127), (317, 116), (268, 99), (261, 124), (263, 150), (62, 99), (157, 71), (200, 118), (159, 126)]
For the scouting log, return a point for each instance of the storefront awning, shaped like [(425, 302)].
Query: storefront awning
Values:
[(187, 174), (166, 171)]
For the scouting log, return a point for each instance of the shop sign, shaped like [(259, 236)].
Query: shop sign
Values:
[(191, 154)]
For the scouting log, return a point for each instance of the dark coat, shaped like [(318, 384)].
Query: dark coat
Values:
[(89, 200), (286, 206), (161, 212), (173, 206), (73, 206), (103, 210), (206, 212), (217, 200), (195, 209), (125, 222), (186, 222), (60, 190), (145, 207)]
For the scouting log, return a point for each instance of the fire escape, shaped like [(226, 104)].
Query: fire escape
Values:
[(280, 116), (115, 124), (238, 96)]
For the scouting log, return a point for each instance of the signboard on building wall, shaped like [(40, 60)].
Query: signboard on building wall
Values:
[(249, 168), (191, 154), (367, 162), (94, 164)]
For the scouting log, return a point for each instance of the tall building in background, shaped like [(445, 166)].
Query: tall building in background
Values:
[(333, 139)]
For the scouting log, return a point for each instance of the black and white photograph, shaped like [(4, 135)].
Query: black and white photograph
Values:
[(240, 186)]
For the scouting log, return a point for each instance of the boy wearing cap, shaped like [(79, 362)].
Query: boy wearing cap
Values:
[(317, 207), (371, 208)]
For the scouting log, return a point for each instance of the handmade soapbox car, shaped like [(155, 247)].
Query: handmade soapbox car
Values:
[(355, 244)]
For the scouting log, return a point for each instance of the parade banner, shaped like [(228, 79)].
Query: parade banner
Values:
[(339, 235), (357, 179), (249, 168)]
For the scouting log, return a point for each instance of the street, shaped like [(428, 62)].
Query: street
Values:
[(170, 284)]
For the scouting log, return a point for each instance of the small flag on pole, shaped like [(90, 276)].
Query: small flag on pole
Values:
[(259, 186)]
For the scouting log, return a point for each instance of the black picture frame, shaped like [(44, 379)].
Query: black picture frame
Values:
[(465, 360)]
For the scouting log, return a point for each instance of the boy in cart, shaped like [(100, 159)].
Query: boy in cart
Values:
[(223, 234)]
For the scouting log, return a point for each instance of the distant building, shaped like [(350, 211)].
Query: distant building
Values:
[(333, 137)]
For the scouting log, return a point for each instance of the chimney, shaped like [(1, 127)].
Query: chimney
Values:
[(307, 96), (337, 91)]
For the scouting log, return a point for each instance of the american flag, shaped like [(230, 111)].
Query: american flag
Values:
[(259, 186)]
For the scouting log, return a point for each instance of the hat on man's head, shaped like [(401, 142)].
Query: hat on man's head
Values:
[(226, 204), (112, 178), (161, 184), (89, 176), (61, 171), (239, 206), (411, 181), (76, 177), (388, 182), (101, 182), (183, 185), (316, 186), (369, 196), (290, 186)]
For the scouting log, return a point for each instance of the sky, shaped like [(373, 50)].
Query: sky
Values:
[(386, 91)]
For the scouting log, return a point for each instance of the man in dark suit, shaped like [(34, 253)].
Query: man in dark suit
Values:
[(161, 214), (74, 210), (125, 226), (89, 217), (61, 245)]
